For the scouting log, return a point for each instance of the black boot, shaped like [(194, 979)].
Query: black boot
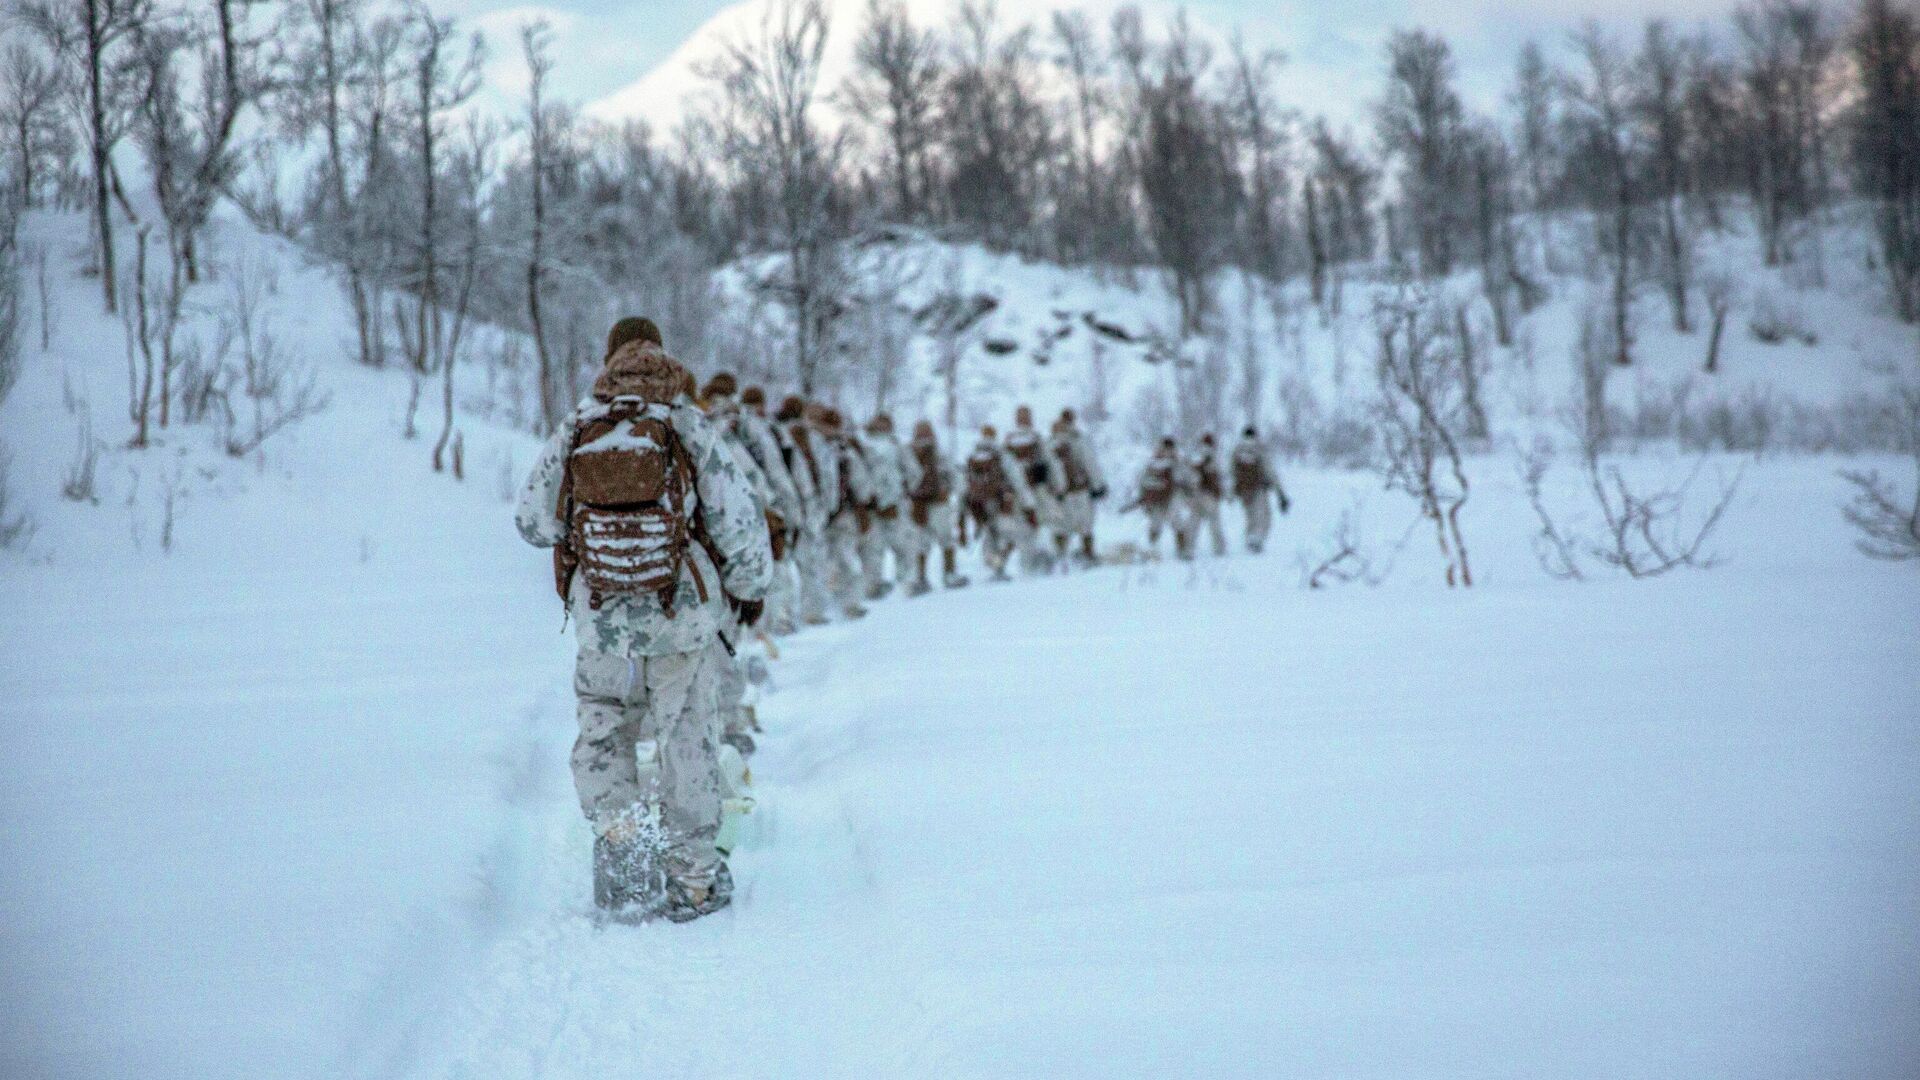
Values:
[(689, 900)]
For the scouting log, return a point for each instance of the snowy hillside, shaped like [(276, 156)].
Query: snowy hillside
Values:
[(1106, 343), (284, 738)]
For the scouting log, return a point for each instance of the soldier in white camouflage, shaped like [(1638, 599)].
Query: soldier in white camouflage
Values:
[(1256, 486), (1204, 495), (1161, 495), (998, 502), (1085, 485), (790, 505), (815, 473), (1046, 484), (892, 473), (932, 517), (850, 507), (646, 762)]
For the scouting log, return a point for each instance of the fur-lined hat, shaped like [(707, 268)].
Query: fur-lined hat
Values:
[(824, 417), (881, 424), (791, 409), (721, 385), (923, 431), (987, 433), (1023, 416), (640, 369), (753, 397)]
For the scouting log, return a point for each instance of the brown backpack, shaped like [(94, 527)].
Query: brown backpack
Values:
[(934, 486), (1249, 473), (989, 491), (1207, 474), (1156, 483), (624, 496), (1025, 446)]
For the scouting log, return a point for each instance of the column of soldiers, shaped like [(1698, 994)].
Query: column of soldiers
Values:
[(685, 519), (1181, 494)]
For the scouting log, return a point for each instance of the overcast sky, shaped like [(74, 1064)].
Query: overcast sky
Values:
[(1334, 45)]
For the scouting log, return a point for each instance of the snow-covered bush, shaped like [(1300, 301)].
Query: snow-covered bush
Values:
[(1776, 320)]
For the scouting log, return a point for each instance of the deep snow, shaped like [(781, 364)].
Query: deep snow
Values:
[(291, 800)]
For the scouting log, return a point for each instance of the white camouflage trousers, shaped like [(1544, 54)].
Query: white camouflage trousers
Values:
[(1259, 521), (844, 580), (810, 569), (1171, 517), (1204, 511), (888, 535), (649, 739)]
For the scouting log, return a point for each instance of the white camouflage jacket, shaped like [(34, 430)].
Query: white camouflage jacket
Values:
[(1076, 443), (636, 626), (891, 470)]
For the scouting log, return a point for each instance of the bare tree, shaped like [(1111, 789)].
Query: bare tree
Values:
[(770, 83), (188, 138), (996, 130), (1421, 124), (1191, 190), (1598, 111), (1885, 153), (278, 392), (1661, 106), (444, 76), (1889, 523), (1419, 411), (1719, 289), (535, 40), (90, 37), (30, 92), (893, 89)]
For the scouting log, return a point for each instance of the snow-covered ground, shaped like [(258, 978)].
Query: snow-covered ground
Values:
[(291, 799)]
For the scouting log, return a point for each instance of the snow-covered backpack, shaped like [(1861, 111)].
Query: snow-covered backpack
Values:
[(1249, 472), (630, 498), (989, 491), (1025, 446)]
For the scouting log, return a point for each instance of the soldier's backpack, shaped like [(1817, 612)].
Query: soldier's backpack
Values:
[(1249, 472), (1156, 484), (1207, 473), (989, 490), (935, 486), (628, 483), (1025, 446), (1077, 476)]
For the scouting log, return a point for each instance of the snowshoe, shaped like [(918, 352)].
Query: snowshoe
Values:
[(688, 900)]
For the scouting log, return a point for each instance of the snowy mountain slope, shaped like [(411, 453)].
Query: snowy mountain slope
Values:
[(290, 799)]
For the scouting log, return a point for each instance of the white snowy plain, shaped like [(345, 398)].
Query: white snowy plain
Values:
[(292, 800)]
